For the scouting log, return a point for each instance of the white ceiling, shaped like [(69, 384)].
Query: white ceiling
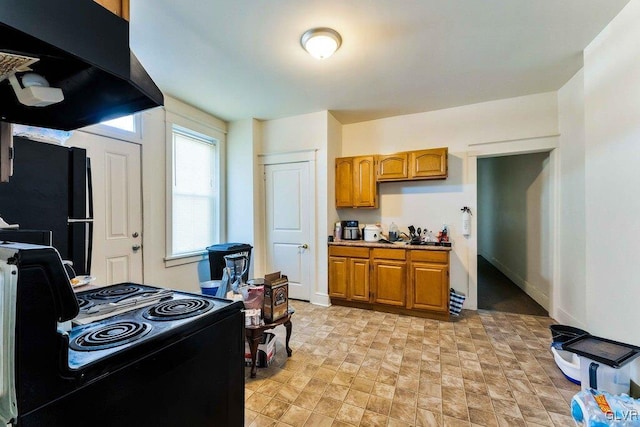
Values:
[(239, 59)]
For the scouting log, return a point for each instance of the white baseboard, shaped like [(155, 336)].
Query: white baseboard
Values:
[(320, 299), (566, 319)]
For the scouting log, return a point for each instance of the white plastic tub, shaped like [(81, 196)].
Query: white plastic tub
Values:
[(569, 364), (611, 380)]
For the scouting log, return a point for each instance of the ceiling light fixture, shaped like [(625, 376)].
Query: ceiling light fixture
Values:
[(321, 43)]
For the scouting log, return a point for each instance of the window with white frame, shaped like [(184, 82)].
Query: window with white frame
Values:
[(126, 123), (194, 192), (126, 128)]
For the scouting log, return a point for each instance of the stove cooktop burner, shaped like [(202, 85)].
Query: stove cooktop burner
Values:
[(110, 335), (178, 309), (115, 292)]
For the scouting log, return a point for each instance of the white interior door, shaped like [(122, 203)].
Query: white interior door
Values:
[(288, 225), (117, 209)]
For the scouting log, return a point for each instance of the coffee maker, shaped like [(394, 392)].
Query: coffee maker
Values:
[(236, 266), (350, 230)]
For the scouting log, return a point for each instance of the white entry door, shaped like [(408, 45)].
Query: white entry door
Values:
[(117, 209), (288, 225)]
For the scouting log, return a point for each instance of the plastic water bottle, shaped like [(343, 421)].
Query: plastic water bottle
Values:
[(393, 232)]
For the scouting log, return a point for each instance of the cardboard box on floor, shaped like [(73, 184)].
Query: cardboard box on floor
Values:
[(266, 351), (276, 297)]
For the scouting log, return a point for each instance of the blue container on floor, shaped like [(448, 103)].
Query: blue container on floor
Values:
[(210, 287)]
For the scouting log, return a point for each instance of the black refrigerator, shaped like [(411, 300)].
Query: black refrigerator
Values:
[(51, 190)]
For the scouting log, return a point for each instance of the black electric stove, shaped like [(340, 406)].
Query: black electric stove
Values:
[(153, 357)]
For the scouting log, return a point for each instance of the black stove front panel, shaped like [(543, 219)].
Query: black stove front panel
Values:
[(196, 379)]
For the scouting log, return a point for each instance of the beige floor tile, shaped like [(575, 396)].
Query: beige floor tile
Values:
[(336, 391), (295, 416), (328, 406), (257, 402), (454, 422), (275, 409), (426, 418), (307, 400), (356, 367), (350, 414), (403, 412), (535, 415), (325, 374), (269, 387), (318, 420), (263, 421), (373, 419), (362, 384), (383, 390), (379, 405), (249, 416), (287, 393), (482, 417)]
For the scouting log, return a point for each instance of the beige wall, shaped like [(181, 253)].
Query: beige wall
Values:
[(241, 185), (468, 131), (570, 297), (612, 177), (294, 134)]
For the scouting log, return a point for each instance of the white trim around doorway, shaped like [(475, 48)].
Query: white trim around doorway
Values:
[(316, 297), (548, 144)]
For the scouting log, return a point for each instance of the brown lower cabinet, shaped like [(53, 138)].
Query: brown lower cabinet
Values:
[(349, 272), (399, 280), (389, 276), (429, 281)]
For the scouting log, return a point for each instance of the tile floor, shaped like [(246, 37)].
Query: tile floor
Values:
[(354, 367)]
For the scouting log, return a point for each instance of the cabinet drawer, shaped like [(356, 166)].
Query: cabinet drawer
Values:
[(400, 254), (349, 251), (430, 256)]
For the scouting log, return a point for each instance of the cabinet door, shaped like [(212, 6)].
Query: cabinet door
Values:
[(344, 182), (359, 279), (392, 167), (428, 163), (364, 180), (338, 277), (390, 278), (117, 7), (430, 286)]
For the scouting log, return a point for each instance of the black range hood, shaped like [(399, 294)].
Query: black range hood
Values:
[(83, 49)]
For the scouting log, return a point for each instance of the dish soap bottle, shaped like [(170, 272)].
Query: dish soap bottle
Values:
[(393, 232)]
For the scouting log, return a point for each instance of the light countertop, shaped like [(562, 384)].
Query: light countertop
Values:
[(363, 244)]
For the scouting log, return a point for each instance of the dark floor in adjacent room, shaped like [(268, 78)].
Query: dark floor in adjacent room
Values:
[(497, 292)]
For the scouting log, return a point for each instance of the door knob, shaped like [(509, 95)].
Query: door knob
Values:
[(136, 248), (304, 246), (135, 234)]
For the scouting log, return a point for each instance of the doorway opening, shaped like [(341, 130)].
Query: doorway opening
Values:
[(514, 265)]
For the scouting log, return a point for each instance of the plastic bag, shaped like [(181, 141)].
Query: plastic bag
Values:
[(593, 408), (456, 300)]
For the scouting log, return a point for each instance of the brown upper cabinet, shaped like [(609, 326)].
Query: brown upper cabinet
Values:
[(393, 166), (118, 7), (413, 165), (356, 182)]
